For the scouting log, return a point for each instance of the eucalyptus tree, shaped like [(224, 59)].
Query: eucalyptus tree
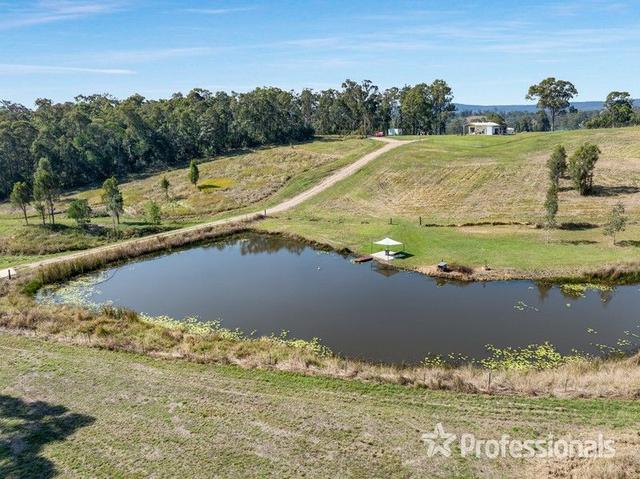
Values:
[(415, 109), (553, 95), (46, 187), (389, 114), (21, 197), (113, 200), (616, 222), (619, 108), (441, 102)]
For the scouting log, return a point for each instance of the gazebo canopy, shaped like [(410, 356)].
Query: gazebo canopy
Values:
[(388, 242)]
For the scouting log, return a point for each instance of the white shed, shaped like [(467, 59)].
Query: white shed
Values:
[(484, 128)]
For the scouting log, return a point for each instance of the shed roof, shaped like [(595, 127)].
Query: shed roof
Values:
[(483, 123)]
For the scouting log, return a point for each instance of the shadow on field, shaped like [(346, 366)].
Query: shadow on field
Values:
[(614, 190), (578, 242), (25, 427), (577, 226), (635, 243)]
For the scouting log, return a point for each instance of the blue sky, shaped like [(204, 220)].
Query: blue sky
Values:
[(488, 51)]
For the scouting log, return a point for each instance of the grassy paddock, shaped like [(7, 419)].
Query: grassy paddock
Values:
[(479, 200), (231, 184), (77, 412)]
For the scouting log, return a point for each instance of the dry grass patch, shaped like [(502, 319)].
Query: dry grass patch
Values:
[(456, 180), (236, 180)]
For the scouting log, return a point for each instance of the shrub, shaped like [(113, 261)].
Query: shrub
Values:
[(80, 211), (152, 212), (557, 163), (581, 166)]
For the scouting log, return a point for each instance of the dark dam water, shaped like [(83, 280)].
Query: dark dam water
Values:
[(267, 284)]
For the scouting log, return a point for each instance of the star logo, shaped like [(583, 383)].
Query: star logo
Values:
[(438, 441)]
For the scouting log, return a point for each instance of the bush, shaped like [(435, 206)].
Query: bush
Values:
[(581, 166), (152, 213), (80, 211), (557, 163)]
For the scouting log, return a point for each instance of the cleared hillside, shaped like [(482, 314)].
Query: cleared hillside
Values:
[(228, 184), (491, 192), (454, 180)]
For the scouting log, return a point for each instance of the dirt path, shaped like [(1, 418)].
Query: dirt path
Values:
[(328, 182)]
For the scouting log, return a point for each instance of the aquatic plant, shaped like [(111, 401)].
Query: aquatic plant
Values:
[(312, 345), (449, 360), (522, 306), (577, 290), (534, 356)]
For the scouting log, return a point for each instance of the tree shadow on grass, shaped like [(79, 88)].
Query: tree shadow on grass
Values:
[(578, 242), (635, 243), (25, 428), (614, 190), (577, 226)]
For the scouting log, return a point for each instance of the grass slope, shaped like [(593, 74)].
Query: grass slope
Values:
[(228, 184), (495, 187), (81, 412)]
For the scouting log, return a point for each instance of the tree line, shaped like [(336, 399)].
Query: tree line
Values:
[(556, 112), (95, 137)]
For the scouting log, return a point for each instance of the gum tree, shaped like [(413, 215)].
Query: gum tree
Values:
[(617, 222), (553, 95), (46, 187), (21, 197), (112, 199)]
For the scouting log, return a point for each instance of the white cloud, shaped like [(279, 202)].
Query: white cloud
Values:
[(139, 56), (50, 11), (19, 69)]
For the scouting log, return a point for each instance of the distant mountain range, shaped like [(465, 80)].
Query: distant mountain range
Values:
[(579, 105)]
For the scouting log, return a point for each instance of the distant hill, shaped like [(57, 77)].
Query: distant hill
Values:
[(579, 105)]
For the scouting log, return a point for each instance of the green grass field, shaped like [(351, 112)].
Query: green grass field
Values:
[(231, 184), (486, 193), (80, 412)]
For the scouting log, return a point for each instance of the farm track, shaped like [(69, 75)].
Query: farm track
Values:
[(285, 205)]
